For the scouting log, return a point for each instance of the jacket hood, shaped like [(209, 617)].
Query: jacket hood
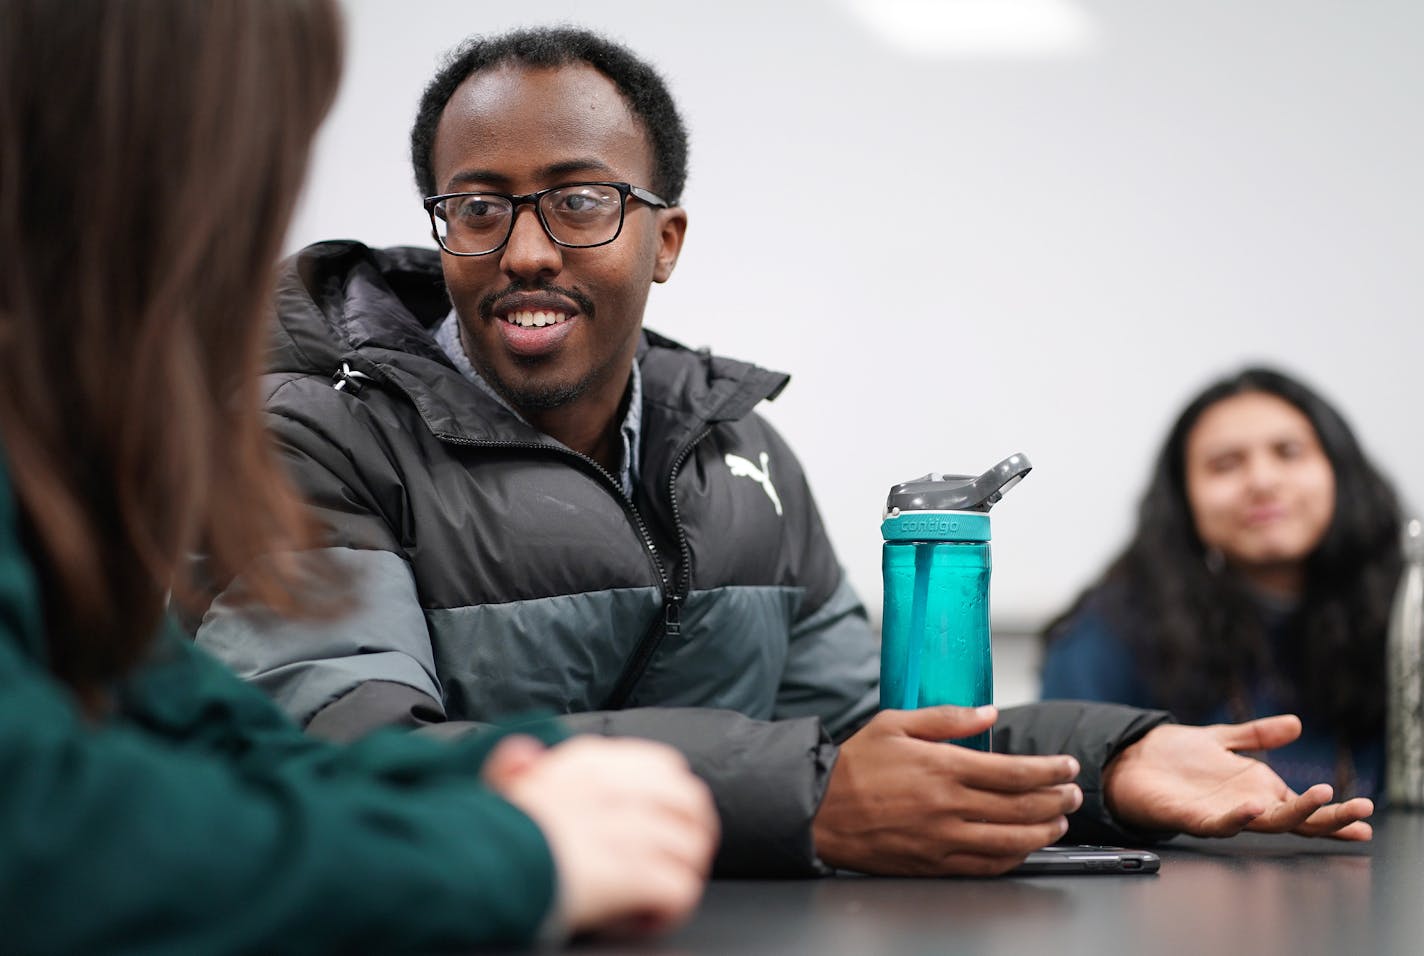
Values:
[(341, 304)]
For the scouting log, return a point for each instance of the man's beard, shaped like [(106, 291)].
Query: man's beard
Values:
[(534, 396)]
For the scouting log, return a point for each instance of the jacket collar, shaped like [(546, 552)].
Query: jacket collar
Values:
[(376, 310)]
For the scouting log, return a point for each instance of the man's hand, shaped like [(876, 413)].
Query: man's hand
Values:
[(901, 801), (1191, 779)]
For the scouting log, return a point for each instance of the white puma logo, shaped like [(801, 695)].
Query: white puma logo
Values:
[(741, 468)]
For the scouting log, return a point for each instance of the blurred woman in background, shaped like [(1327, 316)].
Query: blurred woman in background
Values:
[(1258, 581), (150, 155)]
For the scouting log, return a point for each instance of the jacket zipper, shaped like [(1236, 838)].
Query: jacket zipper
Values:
[(672, 599), (674, 593)]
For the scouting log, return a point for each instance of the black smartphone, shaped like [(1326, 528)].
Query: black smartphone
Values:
[(1087, 859)]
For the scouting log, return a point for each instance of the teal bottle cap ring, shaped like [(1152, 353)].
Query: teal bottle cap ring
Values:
[(935, 526)]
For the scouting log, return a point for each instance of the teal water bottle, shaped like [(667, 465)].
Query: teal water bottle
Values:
[(935, 632)]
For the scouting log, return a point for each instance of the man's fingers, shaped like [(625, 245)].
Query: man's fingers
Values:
[(1343, 821), (1265, 733), (1006, 839), (942, 723), (1293, 811), (1228, 823), (1011, 774), (1038, 806), (1357, 832)]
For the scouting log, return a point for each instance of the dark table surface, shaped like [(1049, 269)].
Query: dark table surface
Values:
[(1250, 894)]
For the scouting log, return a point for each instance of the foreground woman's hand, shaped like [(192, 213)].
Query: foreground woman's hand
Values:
[(631, 830), (1192, 779)]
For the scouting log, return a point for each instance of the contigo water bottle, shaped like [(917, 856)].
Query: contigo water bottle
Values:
[(1404, 758), (935, 634)]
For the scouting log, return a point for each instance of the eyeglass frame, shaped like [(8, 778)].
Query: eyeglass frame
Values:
[(532, 199)]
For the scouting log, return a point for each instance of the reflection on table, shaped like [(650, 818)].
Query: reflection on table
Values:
[(1250, 894)]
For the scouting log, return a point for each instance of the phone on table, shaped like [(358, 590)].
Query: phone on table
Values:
[(1061, 859)]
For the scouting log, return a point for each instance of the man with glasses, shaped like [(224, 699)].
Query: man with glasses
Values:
[(542, 505)]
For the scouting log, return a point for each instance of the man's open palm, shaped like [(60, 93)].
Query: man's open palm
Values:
[(1192, 779)]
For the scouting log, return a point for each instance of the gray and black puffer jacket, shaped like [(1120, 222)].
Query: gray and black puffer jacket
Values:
[(495, 572)]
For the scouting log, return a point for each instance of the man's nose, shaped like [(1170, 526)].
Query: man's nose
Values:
[(530, 252)]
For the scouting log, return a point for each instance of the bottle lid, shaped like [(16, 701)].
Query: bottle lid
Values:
[(936, 492)]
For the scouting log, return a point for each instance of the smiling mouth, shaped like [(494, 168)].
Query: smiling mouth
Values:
[(535, 319), (1264, 516)]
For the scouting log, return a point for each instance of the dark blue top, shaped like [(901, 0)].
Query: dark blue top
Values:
[(1090, 660)]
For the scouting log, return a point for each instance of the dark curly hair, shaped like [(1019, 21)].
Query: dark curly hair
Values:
[(1196, 632), (640, 84)]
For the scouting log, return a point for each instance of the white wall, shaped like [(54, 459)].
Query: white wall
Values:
[(962, 256)]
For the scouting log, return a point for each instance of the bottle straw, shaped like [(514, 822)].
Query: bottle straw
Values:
[(924, 558)]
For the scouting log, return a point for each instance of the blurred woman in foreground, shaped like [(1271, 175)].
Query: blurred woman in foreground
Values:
[(150, 155), (1258, 581)]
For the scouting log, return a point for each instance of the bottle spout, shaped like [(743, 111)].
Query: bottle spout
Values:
[(935, 492), (996, 482)]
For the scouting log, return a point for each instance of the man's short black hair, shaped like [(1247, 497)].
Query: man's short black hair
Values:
[(646, 93)]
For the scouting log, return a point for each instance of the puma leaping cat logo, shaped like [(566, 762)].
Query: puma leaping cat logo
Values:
[(742, 468)]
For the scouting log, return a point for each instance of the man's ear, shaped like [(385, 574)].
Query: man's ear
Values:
[(672, 228)]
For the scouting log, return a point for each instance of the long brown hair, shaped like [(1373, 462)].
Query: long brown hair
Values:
[(151, 152), (1200, 633)]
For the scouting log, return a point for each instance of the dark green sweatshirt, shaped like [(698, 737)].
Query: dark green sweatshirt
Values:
[(197, 819)]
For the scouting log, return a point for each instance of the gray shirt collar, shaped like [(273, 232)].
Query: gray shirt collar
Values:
[(447, 336)]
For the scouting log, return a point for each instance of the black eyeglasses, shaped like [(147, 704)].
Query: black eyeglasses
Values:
[(575, 215)]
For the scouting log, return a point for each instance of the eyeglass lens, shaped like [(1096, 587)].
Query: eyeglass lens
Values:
[(576, 215)]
